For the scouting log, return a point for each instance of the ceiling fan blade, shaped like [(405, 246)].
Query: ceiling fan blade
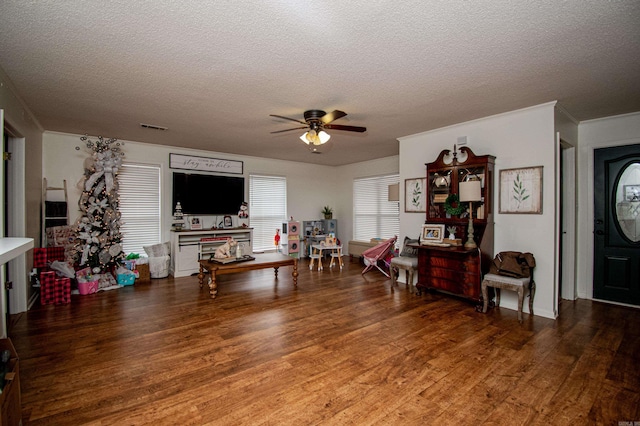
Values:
[(347, 128), (288, 130), (287, 118), (331, 116)]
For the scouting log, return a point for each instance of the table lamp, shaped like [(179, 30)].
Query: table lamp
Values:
[(470, 191)]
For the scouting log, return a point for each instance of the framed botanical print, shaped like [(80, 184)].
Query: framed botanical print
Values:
[(521, 190), (414, 195)]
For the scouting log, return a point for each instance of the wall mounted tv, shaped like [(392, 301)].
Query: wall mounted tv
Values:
[(201, 194)]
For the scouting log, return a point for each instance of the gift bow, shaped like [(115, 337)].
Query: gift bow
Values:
[(106, 165)]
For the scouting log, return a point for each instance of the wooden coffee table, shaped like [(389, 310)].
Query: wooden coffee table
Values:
[(262, 261)]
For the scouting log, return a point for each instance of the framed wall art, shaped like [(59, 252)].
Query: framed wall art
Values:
[(521, 190), (415, 195)]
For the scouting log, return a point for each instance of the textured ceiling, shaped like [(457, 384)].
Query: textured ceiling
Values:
[(213, 71)]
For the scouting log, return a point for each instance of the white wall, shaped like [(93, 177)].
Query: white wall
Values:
[(601, 133), (309, 187), (24, 183), (521, 138), (379, 167)]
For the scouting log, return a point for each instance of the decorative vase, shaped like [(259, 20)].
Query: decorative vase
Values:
[(328, 216)]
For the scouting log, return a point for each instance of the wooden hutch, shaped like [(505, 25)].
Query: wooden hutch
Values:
[(458, 270)]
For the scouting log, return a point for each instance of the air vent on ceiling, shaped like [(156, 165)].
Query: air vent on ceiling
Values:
[(152, 126)]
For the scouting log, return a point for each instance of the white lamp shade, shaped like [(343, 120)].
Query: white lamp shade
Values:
[(324, 136), (311, 137), (394, 192), (470, 190)]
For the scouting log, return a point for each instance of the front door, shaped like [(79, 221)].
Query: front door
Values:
[(617, 224)]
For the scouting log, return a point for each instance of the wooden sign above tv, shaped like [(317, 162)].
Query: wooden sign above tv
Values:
[(191, 162)]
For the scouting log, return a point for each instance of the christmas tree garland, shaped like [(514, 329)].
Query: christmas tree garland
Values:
[(450, 209)]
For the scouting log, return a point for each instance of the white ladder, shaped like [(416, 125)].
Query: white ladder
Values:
[(45, 189)]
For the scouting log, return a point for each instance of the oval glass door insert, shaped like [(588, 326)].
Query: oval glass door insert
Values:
[(628, 202)]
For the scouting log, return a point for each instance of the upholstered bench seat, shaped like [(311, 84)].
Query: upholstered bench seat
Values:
[(406, 263), (509, 283)]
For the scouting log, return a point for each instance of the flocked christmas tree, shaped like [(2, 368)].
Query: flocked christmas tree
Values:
[(98, 242)]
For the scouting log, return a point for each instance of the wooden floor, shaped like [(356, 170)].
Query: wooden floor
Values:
[(342, 349)]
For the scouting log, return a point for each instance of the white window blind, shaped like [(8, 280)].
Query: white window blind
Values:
[(267, 209), (139, 206), (373, 215)]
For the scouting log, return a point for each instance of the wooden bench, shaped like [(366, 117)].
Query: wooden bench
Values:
[(262, 261)]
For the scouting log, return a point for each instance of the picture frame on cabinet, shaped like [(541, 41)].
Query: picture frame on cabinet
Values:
[(520, 191), (195, 223), (415, 195), (432, 233)]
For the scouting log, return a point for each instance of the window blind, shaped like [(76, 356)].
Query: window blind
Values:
[(267, 209), (373, 215), (139, 206)]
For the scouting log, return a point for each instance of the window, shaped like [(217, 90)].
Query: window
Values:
[(267, 209), (139, 206), (373, 215)]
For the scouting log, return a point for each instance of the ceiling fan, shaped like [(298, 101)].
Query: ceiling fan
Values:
[(316, 121)]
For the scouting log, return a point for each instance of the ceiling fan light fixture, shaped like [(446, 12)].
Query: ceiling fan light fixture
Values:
[(324, 137), (315, 138)]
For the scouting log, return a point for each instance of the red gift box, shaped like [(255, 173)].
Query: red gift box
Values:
[(54, 290), (62, 291), (47, 287), (44, 255)]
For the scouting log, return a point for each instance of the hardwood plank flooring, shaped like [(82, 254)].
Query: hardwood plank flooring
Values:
[(342, 349)]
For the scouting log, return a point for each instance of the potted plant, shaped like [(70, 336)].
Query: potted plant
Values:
[(327, 212)]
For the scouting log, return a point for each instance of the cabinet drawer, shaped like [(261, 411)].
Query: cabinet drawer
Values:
[(451, 274), (466, 264)]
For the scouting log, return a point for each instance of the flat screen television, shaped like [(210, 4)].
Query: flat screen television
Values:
[(201, 194)]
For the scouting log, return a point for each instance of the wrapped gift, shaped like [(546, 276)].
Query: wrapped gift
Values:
[(60, 235), (42, 256), (105, 280), (47, 287), (62, 291), (63, 236), (54, 290)]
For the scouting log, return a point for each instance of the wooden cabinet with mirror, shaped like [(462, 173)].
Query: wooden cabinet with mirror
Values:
[(458, 269)]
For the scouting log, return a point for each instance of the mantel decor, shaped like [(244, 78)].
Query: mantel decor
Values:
[(415, 196), (205, 164), (521, 191)]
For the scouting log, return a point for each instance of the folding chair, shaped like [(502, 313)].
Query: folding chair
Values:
[(374, 254)]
